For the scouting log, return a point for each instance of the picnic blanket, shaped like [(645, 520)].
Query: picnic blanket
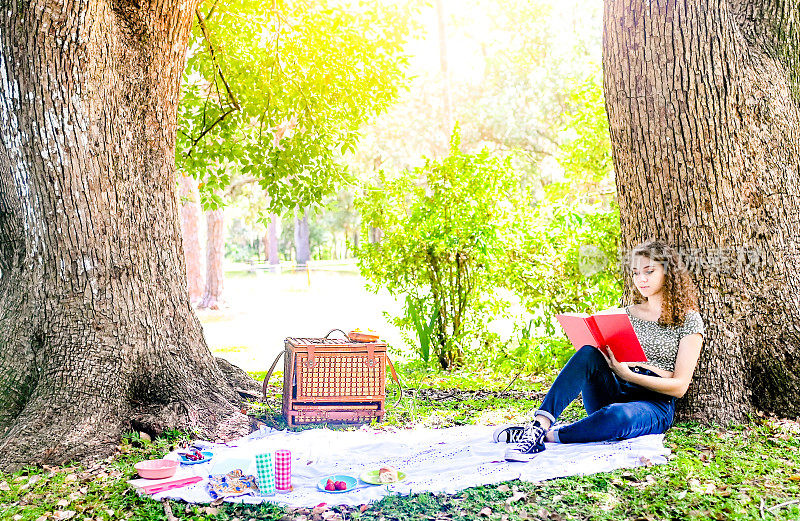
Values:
[(435, 460)]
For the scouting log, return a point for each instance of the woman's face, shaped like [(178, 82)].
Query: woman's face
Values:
[(648, 275)]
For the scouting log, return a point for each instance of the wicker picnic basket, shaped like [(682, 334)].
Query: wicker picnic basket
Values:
[(331, 380)]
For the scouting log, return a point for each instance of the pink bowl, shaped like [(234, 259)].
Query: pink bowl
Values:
[(156, 468)]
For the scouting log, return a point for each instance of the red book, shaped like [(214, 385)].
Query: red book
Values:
[(610, 328)]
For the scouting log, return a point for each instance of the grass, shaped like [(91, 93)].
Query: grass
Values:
[(741, 472)]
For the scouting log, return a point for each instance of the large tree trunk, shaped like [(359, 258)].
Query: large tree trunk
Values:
[(702, 99), (190, 223), (96, 332), (302, 239), (215, 246)]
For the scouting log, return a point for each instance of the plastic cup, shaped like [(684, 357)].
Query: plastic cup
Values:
[(283, 470), (265, 473)]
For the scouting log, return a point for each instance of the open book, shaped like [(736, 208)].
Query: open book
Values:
[(610, 328)]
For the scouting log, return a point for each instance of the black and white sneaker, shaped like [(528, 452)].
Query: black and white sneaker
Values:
[(531, 444), (508, 434)]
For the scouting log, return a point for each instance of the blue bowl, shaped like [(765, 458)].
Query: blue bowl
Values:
[(350, 480), (206, 457)]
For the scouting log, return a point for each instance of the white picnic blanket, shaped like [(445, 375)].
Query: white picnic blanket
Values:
[(435, 460)]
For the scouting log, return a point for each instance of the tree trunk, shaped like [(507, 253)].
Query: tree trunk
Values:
[(302, 238), (215, 246), (702, 99), (273, 240), (375, 235), (96, 332), (190, 223)]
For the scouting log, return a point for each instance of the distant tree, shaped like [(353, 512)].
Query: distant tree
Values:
[(190, 223), (448, 230), (302, 237), (274, 93)]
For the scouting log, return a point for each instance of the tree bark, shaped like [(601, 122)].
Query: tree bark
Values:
[(96, 332), (215, 248), (190, 223), (302, 238), (702, 99)]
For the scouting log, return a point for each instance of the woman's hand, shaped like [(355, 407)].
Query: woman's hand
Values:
[(621, 369)]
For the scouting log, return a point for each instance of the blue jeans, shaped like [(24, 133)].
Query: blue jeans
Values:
[(616, 409)]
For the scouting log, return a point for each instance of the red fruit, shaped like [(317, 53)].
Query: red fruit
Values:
[(330, 486), (341, 485)]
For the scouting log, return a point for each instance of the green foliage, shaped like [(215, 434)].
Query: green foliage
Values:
[(572, 243), (445, 228), (567, 251), (587, 155), (277, 90), (423, 330), (240, 244)]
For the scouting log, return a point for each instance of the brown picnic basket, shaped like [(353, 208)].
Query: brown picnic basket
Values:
[(332, 380)]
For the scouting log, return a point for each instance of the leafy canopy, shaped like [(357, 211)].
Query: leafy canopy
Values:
[(277, 90)]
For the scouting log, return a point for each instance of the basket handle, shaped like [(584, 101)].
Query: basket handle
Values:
[(269, 374), (339, 330), (396, 380)]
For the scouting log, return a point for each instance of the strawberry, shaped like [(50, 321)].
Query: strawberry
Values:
[(330, 487), (341, 485)]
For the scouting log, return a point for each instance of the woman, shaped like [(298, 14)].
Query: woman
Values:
[(625, 400)]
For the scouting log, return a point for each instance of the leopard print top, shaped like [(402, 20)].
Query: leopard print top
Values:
[(660, 343)]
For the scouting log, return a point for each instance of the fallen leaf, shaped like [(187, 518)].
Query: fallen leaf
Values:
[(212, 511), (70, 478), (63, 503), (704, 488), (4, 486), (364, 508), (503, 488), (647, 462), (217, 502), (17, 517), (319, 509), (516, 496), (63, 514), (485, 511), (795, 477)]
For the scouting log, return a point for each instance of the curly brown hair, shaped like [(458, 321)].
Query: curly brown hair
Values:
[(680, 292)]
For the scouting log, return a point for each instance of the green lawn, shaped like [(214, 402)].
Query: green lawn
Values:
[(741, 472)]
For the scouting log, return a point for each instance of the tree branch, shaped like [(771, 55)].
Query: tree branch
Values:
[(207, 130), (207, 37), (241, 182)]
